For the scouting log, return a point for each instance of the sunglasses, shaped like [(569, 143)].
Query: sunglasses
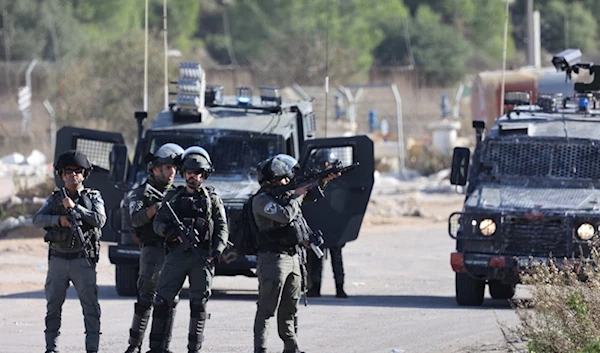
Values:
[(71, 170), (202, 172)]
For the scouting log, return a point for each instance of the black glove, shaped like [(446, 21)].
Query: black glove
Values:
[(170, 233), (216, 256)]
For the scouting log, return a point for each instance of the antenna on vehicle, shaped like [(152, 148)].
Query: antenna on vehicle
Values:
[(146, 57), (326, 65), (166, 73), (504, 58)]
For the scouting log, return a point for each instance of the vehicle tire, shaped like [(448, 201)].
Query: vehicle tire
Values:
[(499, 290), (126, 280), (469, 291)]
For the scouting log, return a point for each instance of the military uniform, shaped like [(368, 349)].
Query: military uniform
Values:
[(204, 211), (152, 257), (67, 263), (281, 228)]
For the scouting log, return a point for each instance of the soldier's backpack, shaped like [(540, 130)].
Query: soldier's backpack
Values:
[(246, 231)]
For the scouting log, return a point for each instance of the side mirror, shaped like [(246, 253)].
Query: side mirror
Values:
[(118, 165), (460, 166)]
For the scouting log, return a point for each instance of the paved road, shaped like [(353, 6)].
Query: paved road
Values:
[(399, 279)]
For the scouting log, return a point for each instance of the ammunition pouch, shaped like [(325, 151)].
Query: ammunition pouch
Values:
[(55, 235)]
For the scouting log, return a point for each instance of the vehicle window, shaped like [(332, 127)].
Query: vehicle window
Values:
[(323, 158), (230, 155)]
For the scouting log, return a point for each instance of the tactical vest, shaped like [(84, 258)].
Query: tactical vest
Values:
[(146, 232), (284, 238), (61, 237), (195, 210)]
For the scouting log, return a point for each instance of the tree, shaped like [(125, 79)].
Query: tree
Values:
[(567, 26), (39, 29), (113, 89), (287, 39), (440, 53)]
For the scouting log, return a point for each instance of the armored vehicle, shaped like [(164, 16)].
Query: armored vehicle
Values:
[(238, 132), (531, 187)]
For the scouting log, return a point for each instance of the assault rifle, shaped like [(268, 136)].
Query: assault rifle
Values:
[(188, 237), (77, 233), (312, 179), (152, 193)]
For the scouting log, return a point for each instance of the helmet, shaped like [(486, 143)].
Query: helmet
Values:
[(323, 156), (73, 157), (169, 153), (276, 168), (194, 158)]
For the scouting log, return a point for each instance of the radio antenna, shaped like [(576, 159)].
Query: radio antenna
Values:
[(326, 65), (166, 54), (146, 58), (504, 59)]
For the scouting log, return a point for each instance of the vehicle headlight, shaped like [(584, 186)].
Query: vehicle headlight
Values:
[(586, 231), (487, 227)]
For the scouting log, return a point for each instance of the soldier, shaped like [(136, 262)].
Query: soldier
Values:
[(281, 229), (321, 160), (143, 206), (68, 259), (201, 211)]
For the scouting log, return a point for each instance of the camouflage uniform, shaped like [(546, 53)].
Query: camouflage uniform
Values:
[(152, 257), (278, 267), (204, 211), (67, 263)]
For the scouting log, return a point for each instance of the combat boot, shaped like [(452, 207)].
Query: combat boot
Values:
[(315, 290), (133, 349), (339, 291), (294, 351)]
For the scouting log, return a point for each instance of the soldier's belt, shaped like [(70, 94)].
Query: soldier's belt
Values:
[(67, 255)]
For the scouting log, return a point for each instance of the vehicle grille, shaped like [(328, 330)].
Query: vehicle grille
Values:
[(577, 159), (533, 237)]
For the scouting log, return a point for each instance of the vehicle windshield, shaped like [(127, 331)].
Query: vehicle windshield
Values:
[(545, 160), (229, 154)]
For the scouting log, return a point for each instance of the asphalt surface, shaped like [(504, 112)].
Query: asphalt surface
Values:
[(398, 277)]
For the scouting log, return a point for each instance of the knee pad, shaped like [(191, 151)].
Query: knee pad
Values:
[(198, 308), (161, 308), (175, 302), (145, 300)]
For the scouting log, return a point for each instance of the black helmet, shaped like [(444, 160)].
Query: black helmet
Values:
[(72, 157), (276, 168), (194, 158), (169, 153), (323, 156)]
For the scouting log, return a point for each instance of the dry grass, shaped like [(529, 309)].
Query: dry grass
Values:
[(563, 314)]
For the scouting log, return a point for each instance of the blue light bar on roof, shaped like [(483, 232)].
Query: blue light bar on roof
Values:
[(244, 95)]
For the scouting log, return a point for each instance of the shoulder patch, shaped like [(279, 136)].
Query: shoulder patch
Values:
[(270, 208)]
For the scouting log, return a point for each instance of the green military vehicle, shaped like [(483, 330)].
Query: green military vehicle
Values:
[(238, 132)]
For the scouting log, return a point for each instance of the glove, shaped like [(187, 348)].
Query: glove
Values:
[(170, 233), (216, 256)]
